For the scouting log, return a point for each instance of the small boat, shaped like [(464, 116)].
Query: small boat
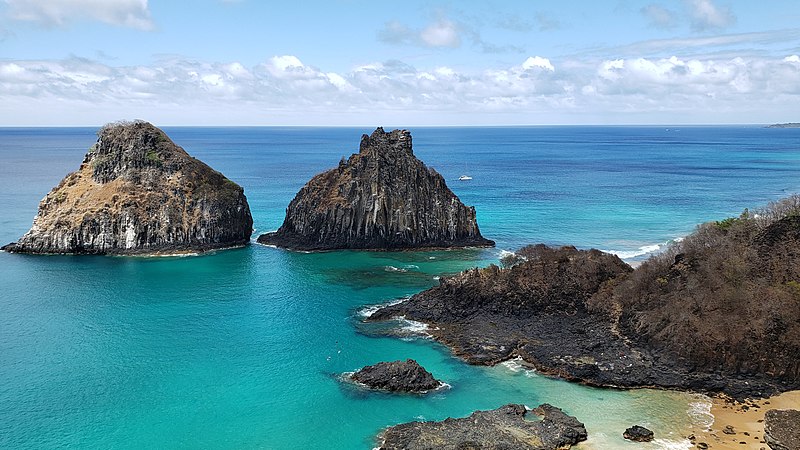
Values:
[(464, 178)]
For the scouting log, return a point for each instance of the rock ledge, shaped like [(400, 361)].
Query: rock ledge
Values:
[(504, 428)]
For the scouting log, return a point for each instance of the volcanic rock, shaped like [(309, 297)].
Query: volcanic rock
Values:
[(504, 428), (383, 198), (397, 376), (137, 192), (782, 429), (555, 311), (638, 433)]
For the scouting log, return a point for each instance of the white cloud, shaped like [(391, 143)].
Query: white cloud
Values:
[(624, 90), (538, 61), (705, 44), (126, 13), (442, 33), (659, 16), (282, 63), (706, 15)]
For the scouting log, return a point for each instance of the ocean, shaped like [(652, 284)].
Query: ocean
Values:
[(245, 348)]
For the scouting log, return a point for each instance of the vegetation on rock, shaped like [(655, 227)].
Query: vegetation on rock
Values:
[(138, 192)]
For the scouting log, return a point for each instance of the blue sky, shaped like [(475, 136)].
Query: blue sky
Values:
[(349, 62)]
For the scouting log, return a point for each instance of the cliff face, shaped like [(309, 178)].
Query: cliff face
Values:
[(380, 198), (137, 192)]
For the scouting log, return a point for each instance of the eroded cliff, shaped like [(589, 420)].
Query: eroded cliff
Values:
[(380, 198), (137, 192)]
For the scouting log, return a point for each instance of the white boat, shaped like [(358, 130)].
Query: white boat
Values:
[(464, 178)]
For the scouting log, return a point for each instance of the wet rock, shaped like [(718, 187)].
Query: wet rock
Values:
[(782, 429), (382, 198), (504, 428), (397, 376), (137, 192), (638, 434)]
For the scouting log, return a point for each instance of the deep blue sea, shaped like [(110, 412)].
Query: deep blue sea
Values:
[(244, 348)]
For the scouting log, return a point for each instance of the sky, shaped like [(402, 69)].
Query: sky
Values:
[(409, 63)]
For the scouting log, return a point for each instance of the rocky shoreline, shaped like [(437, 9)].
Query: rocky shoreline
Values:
[(505, 427), (540, 311)]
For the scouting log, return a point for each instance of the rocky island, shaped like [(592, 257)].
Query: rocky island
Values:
[(137, 192), (503, 428), (381, 198), (716, 313), (397, 376), (785, 125)]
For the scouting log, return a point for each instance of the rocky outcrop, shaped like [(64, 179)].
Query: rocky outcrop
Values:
[(397, 376), (545, 311), (137, 192), (383, 198), (504, 428), (784, 125), (782, 429), (638, 433)]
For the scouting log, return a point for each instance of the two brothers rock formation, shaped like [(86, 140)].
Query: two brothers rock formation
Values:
[(137, 192)]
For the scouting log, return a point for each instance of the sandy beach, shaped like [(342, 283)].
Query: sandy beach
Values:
[(746, 420)]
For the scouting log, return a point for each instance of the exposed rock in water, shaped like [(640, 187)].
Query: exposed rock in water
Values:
[(380, 198), (553, 311), (397, 376), (638, 433), (504, 428), (782, 429), (137, 192), (784, 125)]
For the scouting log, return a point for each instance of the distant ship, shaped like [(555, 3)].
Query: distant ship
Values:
[(464, 178)]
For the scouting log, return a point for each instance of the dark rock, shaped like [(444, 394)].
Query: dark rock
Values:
[(784, 125), (638, 434), (380, 198), (728, 430), (543, 311), (137, 192), (782, 429), (502, 428), (397, 376)]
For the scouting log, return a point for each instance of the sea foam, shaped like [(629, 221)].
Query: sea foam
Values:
[(369, 310)]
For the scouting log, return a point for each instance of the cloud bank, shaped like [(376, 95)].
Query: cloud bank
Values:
[(285, 90), (58, 13)]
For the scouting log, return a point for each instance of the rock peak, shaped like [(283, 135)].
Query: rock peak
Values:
[(381, 142), (380, 198), (129, 149), (137, 192)]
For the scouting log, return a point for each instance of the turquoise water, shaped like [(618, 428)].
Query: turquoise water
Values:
[(244, 348)]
